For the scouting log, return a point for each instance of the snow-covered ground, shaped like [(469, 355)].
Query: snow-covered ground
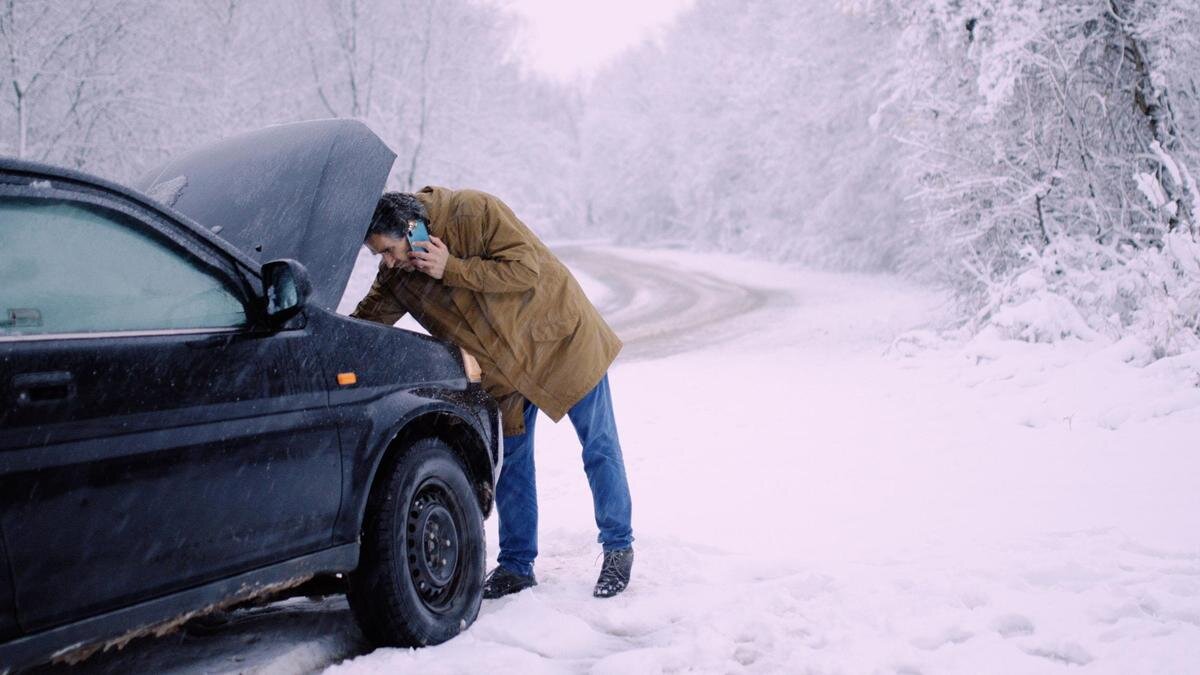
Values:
[(811, 496)]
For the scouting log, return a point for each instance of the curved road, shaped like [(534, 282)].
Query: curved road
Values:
[(658, 310)]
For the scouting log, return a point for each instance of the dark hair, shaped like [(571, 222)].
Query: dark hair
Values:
[(393, 213)]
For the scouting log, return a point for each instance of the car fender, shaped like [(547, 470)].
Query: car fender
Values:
[(412, 414)]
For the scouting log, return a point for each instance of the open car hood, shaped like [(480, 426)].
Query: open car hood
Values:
[(304, 191)]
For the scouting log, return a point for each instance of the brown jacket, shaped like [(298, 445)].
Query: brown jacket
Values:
[(507, 300)]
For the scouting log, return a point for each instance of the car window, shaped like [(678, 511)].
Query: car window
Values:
[(67, 267)]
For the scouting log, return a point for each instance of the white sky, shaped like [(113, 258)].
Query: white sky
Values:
[(565, 38)]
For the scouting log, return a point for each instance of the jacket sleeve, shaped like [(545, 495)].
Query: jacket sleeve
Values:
[(380, 304), (509, 263)]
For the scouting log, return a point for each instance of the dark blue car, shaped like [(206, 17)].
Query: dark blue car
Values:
[(184, 428)]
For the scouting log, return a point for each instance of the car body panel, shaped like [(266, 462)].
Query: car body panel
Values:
[(373, 411), (188, 492), (75, 641)]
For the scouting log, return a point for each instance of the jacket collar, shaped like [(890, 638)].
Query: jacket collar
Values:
[(437, 205)]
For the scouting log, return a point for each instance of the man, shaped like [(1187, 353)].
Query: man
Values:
[(485, 282)]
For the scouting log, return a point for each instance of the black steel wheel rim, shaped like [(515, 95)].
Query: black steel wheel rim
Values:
[(434, 546)]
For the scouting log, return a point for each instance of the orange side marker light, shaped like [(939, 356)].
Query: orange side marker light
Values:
[(347, 379)]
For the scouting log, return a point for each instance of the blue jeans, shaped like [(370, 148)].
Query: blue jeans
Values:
[(516, 492)]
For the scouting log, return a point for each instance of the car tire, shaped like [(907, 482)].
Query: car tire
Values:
[(420, 574)]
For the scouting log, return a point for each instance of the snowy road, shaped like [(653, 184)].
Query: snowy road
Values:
[(807, 498), (660, 310)]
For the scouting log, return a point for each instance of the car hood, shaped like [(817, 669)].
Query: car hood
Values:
[(304, 191)]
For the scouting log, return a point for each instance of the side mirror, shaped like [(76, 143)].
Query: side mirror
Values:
[(286, 288)]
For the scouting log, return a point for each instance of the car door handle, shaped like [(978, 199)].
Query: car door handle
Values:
[(42, 388)]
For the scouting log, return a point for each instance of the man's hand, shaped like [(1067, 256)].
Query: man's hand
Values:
[(433, 260)]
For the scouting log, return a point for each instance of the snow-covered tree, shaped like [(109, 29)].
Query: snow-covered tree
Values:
[(1055, 173), (64, 68)]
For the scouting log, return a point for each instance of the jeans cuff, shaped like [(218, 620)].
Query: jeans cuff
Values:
[(617, 545)]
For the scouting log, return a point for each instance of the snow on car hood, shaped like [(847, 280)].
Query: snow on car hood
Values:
[(304, 191)]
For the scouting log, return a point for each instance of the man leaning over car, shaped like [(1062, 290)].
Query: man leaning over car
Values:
[(485, 282)]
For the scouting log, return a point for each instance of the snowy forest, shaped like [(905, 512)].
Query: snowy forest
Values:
[(1038, 157)]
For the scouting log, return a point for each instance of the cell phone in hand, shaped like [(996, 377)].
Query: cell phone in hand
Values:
[(418, 235)]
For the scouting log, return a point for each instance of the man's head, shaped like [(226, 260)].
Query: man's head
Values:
[(387, 233)]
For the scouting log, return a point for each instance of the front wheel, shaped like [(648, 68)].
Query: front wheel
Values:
[(420, 573)]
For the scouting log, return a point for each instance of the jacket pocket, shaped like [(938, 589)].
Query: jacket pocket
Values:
[(555, 327)]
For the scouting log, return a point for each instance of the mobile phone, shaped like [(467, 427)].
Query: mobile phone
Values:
[(417, 235)]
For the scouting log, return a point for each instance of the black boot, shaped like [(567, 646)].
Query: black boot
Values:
[(614, 574), (502, 581)]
